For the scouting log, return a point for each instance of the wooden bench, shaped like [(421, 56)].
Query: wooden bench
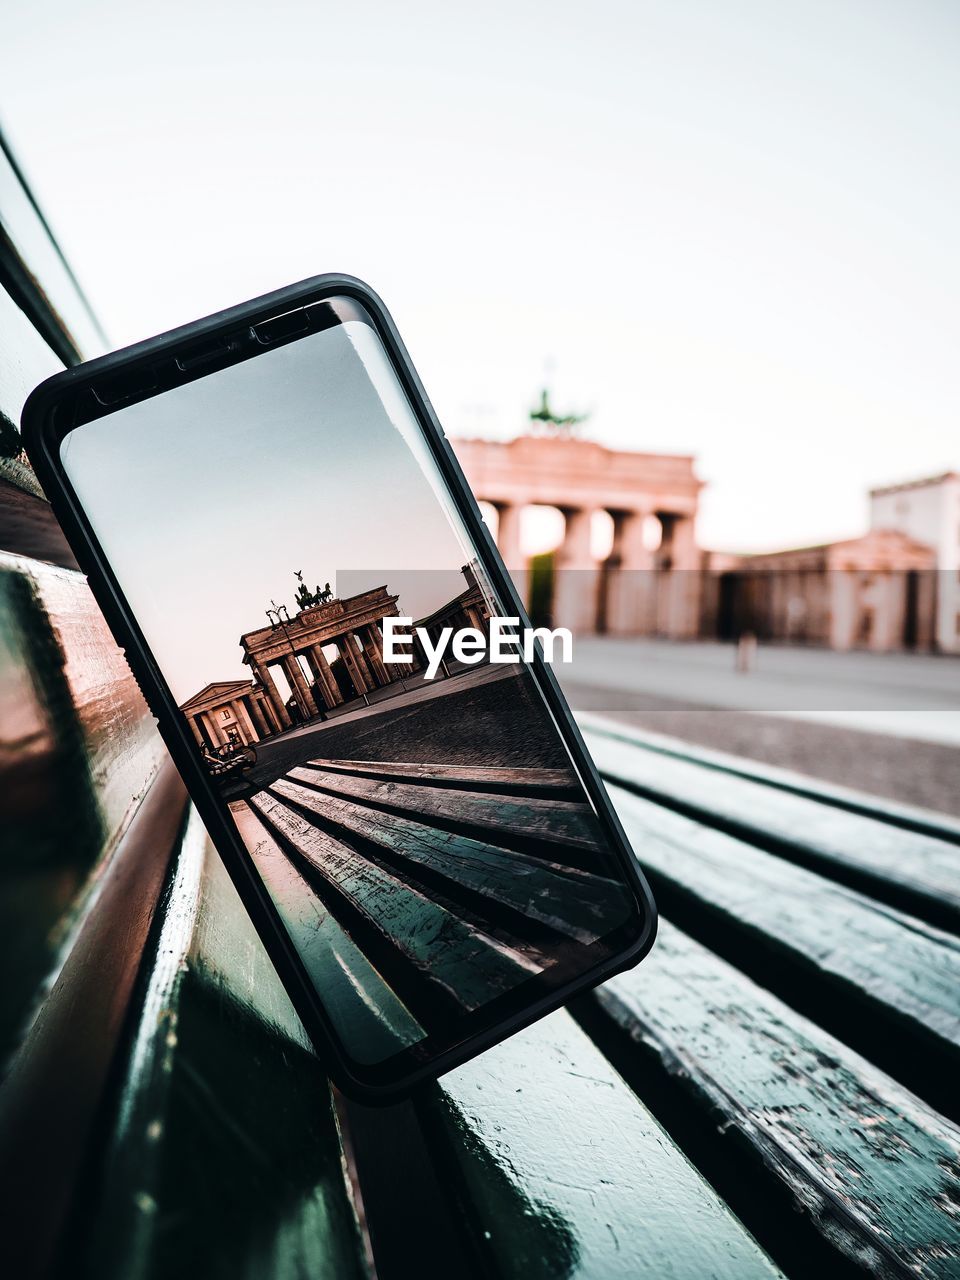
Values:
[(771, 1092)]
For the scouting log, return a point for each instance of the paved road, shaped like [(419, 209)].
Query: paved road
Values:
[(900, 694), (887, 724)]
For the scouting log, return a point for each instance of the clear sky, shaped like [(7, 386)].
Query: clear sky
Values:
[(207, 499), (728, 227)]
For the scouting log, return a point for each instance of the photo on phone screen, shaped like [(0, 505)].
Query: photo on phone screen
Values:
[(428, 844)]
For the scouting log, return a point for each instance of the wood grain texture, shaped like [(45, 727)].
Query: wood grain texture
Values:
[(51, 1098), (557, 782), (225, 1158), (884, 958), (532, 819), (914, 872), (910, 817), (77, 753), (877, 1172), (561, 1170), (573, 903), (426, 952)]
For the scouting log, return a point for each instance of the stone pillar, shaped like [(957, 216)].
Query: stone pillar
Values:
[(680, 593), (196, 732), (332, 696), (348, 653), (475, 618), (262, 673), (259, 718), (301, 690), (244, 720), (374, 651), (354, 641), (216, 736), (508, 544), (576, 575), (844, 586), (629, 577)]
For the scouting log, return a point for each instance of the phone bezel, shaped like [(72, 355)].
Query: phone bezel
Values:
[(48, 416)]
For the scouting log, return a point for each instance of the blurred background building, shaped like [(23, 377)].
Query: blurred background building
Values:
[(625, 559)]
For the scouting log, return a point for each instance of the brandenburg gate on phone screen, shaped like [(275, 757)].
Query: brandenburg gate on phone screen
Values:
[(329, 653), (351, 626)]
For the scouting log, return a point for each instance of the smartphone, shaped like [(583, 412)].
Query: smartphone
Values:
[(261, 501)]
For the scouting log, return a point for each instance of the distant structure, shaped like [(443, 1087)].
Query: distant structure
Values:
[(873, 592), (555, 423), (623, 594), (228, 713), (896, 587), (929, 510)]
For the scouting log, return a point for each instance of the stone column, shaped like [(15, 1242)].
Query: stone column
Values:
[(374, 652), (475, 618), (196, 732), (576, 575), (259, 717), (629, 577), (508, 544), (262, 672), (682, 613), (362, 661), (348, 653), (270, 715), (244, 720), (301, 690), (212, 728), (844, 587), (332, 696)]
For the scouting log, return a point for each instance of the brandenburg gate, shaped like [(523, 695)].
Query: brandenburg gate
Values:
[(240, 712), (637, 589), (351, 626)]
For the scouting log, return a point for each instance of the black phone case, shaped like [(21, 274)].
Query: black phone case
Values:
[(42, 434)]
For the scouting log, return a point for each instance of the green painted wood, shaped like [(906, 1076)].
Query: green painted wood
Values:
[(368, 1015), (225, 1158), (916, 872), (54, 1100), (879, 956), (560, 823), (876, 1171), (574, 903), (560, 1171), (912, 818), (454, 964)]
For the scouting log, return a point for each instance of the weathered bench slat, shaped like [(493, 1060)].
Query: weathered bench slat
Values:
[(225, 1158), (448, 955), (556, 822), (914, 872), (854, 955), (561, 1171), (877, 1170), (58, 1085), (472, 777), (569, 901), (912, 818), (372, 1021)]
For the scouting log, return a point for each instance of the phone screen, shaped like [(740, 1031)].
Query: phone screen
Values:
[(426, 841)]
